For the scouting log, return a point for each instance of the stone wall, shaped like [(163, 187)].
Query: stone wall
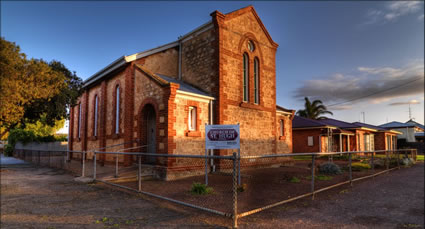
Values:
[(284, 143), (199, 61), (165, 62), (258, 121)]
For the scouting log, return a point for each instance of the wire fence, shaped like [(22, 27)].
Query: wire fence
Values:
[(230, 186)]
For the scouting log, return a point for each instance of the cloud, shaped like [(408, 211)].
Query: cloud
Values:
[(392, 11), (413, 101), (368, 84)]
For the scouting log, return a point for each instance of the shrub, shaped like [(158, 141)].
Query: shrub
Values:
[(241, 187), (200, 189), (294, 180), (358, 166), (407, 161), (8, 150), (329, 168), (378, 163)]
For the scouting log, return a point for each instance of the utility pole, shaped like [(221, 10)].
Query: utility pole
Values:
[(410, 113)]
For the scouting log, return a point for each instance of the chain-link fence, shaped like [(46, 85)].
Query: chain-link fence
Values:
[(230, 186)]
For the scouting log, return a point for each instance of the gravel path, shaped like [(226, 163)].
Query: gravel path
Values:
[(47, 198)]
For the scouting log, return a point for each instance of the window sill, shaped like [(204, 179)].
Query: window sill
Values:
[(282, 138), (193, 134), (93, 138), (250, 105), (115, 136)]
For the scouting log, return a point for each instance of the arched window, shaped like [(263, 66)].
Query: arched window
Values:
[(245, 77), (117, 110), (79, 120), (96, 102), (256, 80)]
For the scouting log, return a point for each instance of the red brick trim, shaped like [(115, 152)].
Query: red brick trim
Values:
[(93, 137), (84, 126), (102, 120), (71, 129), (191, 133), (114, 115)]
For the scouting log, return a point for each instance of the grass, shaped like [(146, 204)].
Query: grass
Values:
[(320, 177), (294, 180), (360, 166)]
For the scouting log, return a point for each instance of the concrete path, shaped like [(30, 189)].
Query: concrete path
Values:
[(11, 162), (49, 198)]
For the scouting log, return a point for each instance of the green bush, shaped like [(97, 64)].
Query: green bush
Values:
[(358, 166), (329, 168), (294, 180), (27, 136), (8, 150), (200, 189)]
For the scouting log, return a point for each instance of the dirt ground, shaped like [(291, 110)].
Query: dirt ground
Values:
[(48, 198)]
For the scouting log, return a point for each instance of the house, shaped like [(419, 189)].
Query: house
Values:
[(408, 129), (331, 135), (222, 72), (384, 139)]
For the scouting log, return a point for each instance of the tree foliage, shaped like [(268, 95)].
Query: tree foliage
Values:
[(32, 88), (313, 110)]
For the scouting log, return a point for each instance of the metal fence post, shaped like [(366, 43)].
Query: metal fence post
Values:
[(94, 165), (313, 168), (116, 165), (350, 169), (83, 169), (239, 166), (235, 193), (206, 167), (139, 177)]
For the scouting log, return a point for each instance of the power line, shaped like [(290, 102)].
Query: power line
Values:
[(362, 97)]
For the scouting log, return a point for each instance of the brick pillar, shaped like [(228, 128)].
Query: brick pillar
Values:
[(102, 121), (71, 130), (129, 111), (84, 128), (170, 131)]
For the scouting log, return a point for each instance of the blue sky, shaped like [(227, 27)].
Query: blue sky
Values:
[(333, 51)]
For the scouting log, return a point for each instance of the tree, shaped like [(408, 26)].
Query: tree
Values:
[(32, 88), (313, 110)]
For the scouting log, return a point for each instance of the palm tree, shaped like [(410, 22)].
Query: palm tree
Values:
[(313, 110)]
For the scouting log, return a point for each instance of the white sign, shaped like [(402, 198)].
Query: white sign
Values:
[(222, 137)]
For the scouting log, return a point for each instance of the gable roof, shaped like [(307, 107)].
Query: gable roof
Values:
[(284, 110), (184, 86), (396, 124), (416, 124), (361, 124), (338, 123), (251, 9), (301, 122)]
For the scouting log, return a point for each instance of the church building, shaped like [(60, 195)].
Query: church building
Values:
[(223, 72)]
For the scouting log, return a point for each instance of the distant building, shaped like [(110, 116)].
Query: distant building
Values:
[(410, 130), (331, 135)]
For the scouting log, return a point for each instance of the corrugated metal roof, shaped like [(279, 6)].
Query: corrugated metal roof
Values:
[(361, 124), (338, 123), (301, 122), (183, 85), (395, 124), (279, 108)]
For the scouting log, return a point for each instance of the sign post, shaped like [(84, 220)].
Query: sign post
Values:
[(222, 137)]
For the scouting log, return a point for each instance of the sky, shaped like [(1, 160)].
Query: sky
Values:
[(355, 56)]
